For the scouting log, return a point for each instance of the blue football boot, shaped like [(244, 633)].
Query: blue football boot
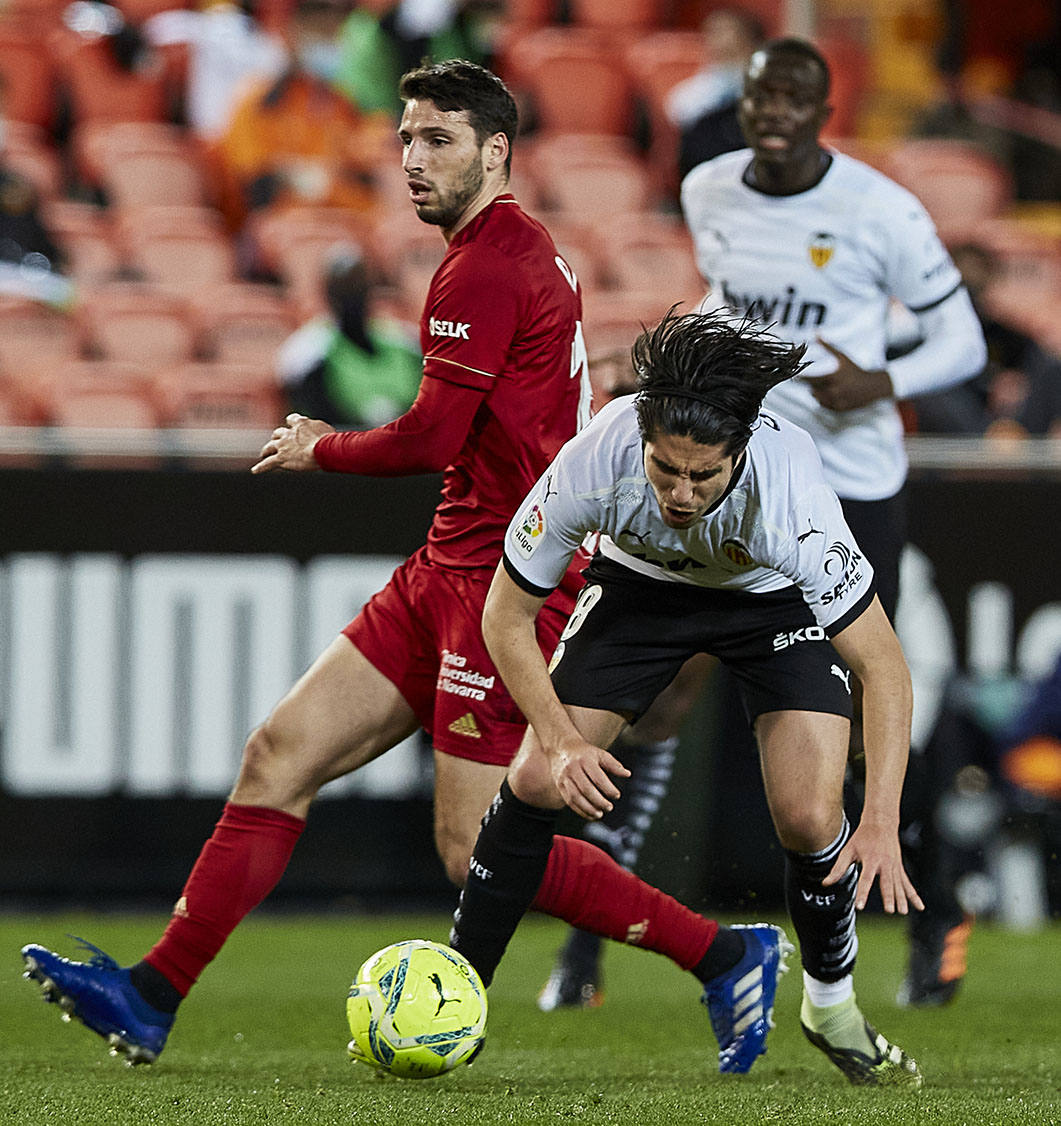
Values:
[(100, 995), (740, 1002)]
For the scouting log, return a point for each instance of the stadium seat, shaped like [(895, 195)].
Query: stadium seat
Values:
[(100, 395), (15, 410), (141, 163), (73, 379), (630, 15), (136, 324), (960, 185), (217, 395), (585, 174), (99, 89), (33, 340), (593, 187), (102, 408), (185, 261), (155, 178), (28, 152), (29, 76), (849, 69), (85, 233), (657, 63), (242, 323), (406, 254), (530, 13), (873, 153), (573, 81), (649, 254), (291, 244), (581, 248), (612, 319)]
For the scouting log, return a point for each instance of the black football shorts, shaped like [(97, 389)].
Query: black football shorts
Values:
[(629, 635)]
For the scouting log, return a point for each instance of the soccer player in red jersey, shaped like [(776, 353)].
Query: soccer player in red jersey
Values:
[(504, 386)]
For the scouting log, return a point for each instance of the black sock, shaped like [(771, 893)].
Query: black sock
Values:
[(824, 917), (155, 989), (504, 875), (621, 831), (722, 955)]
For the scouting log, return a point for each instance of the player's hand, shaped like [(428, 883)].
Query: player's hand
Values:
[(582, 773), (291, 446), (876, 849), (849, 387)]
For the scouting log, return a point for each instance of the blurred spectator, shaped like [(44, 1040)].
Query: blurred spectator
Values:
[(108, 71), (704, 107), (227, 48), (1031, 751), (296, 140), (1019, 391), (31, 262), (348, 367), (382, 39)]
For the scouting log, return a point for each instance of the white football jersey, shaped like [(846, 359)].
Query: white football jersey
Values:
[(823, 263), (777, 525)]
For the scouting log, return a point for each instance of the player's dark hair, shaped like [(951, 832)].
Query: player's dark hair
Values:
[(457, 84), (800, 48), (704, 375)]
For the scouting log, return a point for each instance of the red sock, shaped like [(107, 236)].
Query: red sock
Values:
[(588, 889), (237, 868)]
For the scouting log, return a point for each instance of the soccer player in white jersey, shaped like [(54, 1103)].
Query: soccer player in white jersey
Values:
[(816, 245), (719, 534)]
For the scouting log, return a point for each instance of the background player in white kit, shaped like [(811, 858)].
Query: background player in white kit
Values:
[(718, 535), (816, 245)]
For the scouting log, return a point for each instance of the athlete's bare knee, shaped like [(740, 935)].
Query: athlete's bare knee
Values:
[(807, 826), (270, 771)]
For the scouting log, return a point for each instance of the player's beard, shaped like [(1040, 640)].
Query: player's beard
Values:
[(452, 205)]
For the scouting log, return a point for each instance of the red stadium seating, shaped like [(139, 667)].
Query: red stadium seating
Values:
[(960, 185), (657, 63), (28, 152), (215, 395), (648, 254), (99, 89), (85, 233), (242, 323), (589, 174), (573, 80), (136, 324), (627, 15), (29, 76), (185, 261), (33, 340)]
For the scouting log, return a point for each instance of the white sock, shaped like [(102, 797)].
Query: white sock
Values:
[(822, 994)]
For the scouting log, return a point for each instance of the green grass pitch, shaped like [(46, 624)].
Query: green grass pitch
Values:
[(262, 1039)]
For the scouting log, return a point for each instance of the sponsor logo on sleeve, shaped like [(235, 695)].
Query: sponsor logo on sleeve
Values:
[(458, 330), (844, 565), (530, 529)]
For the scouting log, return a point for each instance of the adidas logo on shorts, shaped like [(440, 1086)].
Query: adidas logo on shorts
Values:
[(466, 725)]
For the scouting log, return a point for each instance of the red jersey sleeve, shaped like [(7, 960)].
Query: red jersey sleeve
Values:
[(471, 315), (424, 440)]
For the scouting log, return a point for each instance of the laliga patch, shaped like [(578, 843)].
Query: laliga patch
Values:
[(530, 529), (737, 553)]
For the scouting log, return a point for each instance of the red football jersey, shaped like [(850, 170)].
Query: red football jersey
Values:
[(503, 315)]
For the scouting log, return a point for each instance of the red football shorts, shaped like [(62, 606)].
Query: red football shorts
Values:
[(423, 631)]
